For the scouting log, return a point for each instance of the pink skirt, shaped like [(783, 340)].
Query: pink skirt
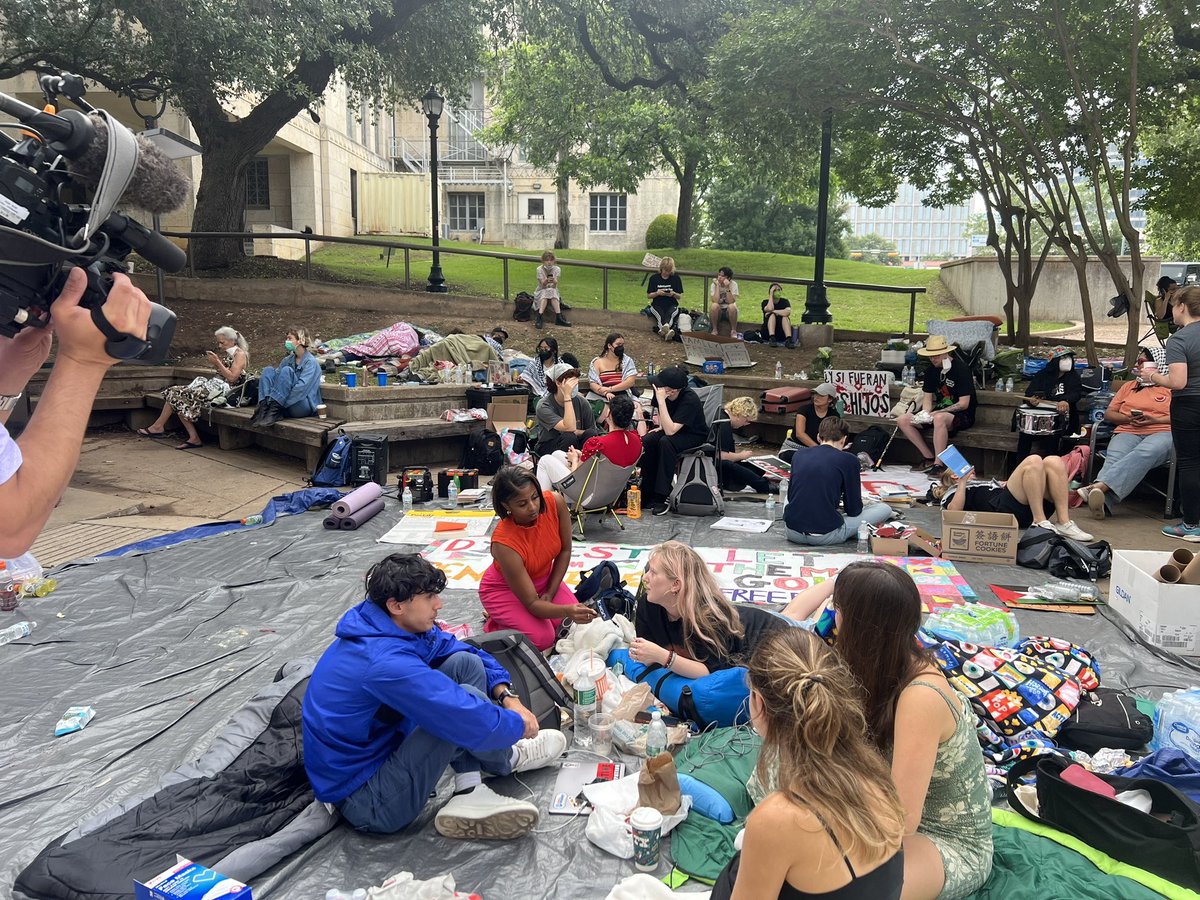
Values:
[(505, 609)]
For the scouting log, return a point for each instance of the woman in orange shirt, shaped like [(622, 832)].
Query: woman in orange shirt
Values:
[(531, 548), (1142, 440)]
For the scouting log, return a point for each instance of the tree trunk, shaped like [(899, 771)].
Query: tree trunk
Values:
[(220, 202), (687, 197), (562, 186)]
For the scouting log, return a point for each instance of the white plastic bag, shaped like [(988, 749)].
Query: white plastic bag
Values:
[(643, 886), (612, 802), (404, 886)]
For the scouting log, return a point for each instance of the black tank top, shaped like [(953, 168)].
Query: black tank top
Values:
[(882, 883)]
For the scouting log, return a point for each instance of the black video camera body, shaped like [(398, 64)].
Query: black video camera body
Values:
[(53, 219)]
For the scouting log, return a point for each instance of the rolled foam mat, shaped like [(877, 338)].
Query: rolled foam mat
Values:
[(333, 523), (363, 515), (356, 500)]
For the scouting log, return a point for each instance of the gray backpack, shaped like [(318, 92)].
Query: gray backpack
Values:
[(697, 491)]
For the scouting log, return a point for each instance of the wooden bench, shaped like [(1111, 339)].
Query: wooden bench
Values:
[(411, 441)]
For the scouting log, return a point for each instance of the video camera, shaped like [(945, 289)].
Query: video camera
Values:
[(60, 181)]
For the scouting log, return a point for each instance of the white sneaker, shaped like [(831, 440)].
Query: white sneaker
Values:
[(1047, 524), (483, 814), (1073, 531), (534, 753)]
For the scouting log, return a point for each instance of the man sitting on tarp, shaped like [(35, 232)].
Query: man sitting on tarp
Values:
[(394, 700)]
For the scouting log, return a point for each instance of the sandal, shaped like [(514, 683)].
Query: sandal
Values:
[(189, 445), (146, 432)]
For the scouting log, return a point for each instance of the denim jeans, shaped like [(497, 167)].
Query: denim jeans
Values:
[(276, 384), (395, 795), (1127, 460), (874, 514), (1185, 430)]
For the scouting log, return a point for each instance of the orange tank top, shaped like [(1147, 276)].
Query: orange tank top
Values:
[(537, 544)]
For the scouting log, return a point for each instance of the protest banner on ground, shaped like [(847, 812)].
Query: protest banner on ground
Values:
[(746, 575)]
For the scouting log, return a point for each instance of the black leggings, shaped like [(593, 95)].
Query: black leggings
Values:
[(1185, 434)]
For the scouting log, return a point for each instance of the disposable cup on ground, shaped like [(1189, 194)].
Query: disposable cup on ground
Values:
[(601, 727), (646, 823)]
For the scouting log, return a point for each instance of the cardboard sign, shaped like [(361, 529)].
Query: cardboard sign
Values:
[(1167, 615), (918, 539), (507, 412), (702, 347), (865, 393), (980, 537)]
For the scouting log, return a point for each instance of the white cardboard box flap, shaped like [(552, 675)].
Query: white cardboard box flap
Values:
[(1166, 615)]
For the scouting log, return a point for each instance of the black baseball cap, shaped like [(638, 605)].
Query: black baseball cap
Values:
[(673, 377)]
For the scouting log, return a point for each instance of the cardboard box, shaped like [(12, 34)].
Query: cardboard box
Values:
[(1166, 615), (919, 540), (702, 347), (187, 880), (507, 412), (980, 537)]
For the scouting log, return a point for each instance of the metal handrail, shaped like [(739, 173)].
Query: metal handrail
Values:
[(407, 248)]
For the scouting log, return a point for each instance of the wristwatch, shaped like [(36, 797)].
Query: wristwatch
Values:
[(8, 404), (506, 693)]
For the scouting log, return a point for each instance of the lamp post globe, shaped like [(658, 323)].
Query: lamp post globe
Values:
[(432, 104)]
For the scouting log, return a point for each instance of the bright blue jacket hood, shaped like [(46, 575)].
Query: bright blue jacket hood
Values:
[(375, 684)]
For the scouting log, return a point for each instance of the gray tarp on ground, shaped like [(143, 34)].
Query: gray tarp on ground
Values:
[(167, 645)]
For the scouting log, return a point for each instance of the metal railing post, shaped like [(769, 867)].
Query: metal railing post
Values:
[(912, 314), (307, 259), (407, 270), (506, 279), (604, 294)]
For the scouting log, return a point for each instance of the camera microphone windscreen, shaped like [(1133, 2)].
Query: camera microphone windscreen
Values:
[(157, 185)]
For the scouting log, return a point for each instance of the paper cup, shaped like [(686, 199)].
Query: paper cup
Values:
[(646, 823), (351, 379), (322, 411), (601, 727), (382, 376)]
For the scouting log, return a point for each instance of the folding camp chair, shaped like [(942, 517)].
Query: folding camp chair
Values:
[(595, 487), (1102, 433)]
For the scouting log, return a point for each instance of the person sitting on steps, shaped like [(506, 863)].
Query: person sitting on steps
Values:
[(722, 301), (736, 473), (947, 403), (548, 276), (394, 700), (293, 388)]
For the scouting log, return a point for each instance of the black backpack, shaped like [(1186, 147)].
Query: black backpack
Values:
[(1035, 546), (873, 441), (483, 452), (1073, 559), (602, 589), (523, 307), (532, 678)]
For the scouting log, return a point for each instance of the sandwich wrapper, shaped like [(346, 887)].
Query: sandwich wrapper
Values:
[(612, 802)]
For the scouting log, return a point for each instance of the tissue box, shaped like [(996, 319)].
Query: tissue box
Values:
[(187, 880)]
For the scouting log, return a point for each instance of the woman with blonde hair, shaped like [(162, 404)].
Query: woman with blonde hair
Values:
[(190, 401), (686, 624), (293, 388), (832, 825), (663, 291), (736, 473)]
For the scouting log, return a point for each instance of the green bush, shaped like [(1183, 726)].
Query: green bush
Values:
[(661, 233)]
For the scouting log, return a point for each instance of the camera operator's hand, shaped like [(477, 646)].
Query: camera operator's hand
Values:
[(126, 308), (21, 357)]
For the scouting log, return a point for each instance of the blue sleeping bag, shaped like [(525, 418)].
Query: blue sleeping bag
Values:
[(721, 698)]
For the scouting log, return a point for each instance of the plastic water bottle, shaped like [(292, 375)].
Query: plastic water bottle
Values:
[(975, 624), (252, 520), (864, 537), (16, 632), (406, 498), (656, 736), (633, 502), (1177, 722), (452, 493), (779, 371), (783, 494), (905, 375), (649, 369), (585, 705), (1008, 385), (770, 511), (8, 589)]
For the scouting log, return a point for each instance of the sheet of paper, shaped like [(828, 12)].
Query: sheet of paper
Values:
[(734, 523), (420, 525)]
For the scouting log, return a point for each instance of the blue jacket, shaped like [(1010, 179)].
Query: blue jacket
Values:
[(375, 685), (308, 380)]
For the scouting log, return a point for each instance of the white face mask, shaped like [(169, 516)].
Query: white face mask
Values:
[(946, 363), (1066, 364)]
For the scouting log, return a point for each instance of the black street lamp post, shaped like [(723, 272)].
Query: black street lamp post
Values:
[(432, 103), (149, 101), (816, 301)]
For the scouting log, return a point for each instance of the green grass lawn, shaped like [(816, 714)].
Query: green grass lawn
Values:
[(583, 287)]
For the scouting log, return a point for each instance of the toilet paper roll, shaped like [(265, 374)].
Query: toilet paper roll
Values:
[(1182, 557), (361, 516), (1191, 574), (1168, 574), (356, 500)]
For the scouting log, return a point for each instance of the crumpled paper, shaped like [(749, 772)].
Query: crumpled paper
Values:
[(404, 886)]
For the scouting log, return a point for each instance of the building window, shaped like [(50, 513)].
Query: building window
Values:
[(536, 208), (466, 211), (258, 184), (606, 212)]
